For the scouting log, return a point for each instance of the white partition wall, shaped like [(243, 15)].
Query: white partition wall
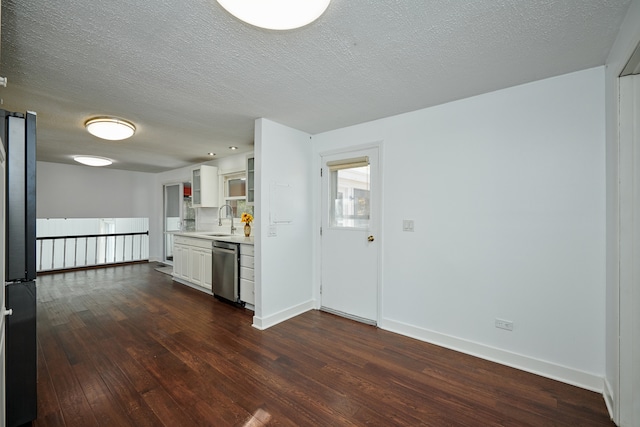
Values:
[(284, 225)]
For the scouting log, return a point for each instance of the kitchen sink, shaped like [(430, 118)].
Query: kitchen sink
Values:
[(217, 234)]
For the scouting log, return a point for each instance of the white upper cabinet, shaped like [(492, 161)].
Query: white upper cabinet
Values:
[(250, 179), (204, 187)]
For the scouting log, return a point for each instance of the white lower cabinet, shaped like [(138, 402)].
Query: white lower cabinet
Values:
[(192, 261), (247, 282), (181, 261)]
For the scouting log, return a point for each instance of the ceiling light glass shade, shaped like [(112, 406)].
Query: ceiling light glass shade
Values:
[(92, 161), (276, 14), (110, 128)]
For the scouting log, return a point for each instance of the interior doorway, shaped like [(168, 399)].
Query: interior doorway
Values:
[(178, 215)]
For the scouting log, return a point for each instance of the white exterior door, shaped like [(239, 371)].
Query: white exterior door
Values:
[(350, 245)]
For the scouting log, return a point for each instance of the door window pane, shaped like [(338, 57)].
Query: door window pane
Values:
[(350, 197)]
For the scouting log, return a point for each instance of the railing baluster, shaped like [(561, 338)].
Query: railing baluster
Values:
[(75, 252), (64, 253)]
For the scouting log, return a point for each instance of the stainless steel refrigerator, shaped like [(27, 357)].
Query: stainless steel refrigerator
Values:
[(18, 133)]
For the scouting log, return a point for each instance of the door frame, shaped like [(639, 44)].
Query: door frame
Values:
[(164, 212), (379, 146)]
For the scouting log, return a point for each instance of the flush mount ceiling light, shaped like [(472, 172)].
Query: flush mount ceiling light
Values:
[(110, 128), (92, 160), (276, 14)]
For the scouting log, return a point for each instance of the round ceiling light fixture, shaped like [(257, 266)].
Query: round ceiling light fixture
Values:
[(92, 160), (110, 128), (276, 14)]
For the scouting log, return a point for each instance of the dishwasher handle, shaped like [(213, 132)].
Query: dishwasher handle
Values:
[(224, 250)]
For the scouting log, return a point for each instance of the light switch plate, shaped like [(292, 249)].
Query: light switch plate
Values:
[(407, 225)]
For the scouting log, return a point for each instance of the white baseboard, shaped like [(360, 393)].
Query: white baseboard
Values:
[(263, 323), (518, 361), (609, 401)]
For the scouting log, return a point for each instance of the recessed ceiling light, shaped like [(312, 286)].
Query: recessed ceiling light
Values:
[(233, 148), (110, 128), (211, 154), (92, 160), (276, 14)]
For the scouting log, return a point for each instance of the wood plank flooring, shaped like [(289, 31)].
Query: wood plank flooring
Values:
[(127, 346)]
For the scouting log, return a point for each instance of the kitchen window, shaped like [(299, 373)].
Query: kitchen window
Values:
[(235, 193)]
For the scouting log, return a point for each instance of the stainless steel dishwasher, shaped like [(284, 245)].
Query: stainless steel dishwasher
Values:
[(225, 269)]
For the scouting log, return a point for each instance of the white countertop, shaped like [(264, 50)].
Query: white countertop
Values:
[(236, 238)]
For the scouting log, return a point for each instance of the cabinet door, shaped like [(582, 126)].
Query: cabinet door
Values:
[(250, 180), (196, 188), (181, 261), (195, 259), (177, 260), (207, 265), (247, 292), (204, 187), (209, 186)]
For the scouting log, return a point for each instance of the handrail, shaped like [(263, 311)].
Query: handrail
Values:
[(87, 236)]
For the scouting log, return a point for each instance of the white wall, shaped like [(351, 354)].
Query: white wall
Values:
[(283, 262), (68, 191), (507, 191), (627, 40)]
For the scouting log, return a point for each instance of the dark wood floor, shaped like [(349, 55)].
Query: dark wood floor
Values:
[(126, 346)]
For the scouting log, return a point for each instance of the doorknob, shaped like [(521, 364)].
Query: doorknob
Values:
[(370, 238), (8, 312)]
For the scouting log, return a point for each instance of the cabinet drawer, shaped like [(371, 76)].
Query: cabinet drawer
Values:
[(246, 273), (246, 250), (192, 241), (246, 261), (247, 291), (200, 243), (180, 240)]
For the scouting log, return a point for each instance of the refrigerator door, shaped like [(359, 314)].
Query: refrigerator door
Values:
[(21, 197), (16, 196), (21, 354)]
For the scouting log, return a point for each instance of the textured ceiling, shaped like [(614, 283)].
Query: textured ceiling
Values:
[(193, 78)]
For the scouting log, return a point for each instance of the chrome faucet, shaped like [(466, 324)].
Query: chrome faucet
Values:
[(220, 217)]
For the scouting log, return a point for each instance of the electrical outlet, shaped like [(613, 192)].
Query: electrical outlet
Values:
[(407, 225), (273, 231), (507, 325)]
